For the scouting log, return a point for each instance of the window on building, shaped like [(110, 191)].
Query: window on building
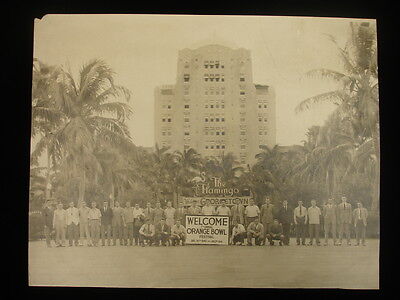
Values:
[(222, 78), (222, 146), (217, 133), (186, 77), (222, 119), (205, 77), (223, 132), (217, 146), (242, 119), (222, 106), (265, 133), (206, 119), (242, 93), (163, 133), (243, 133), (242, 106), (265, 119), (222, 92), (217, 64), (259, 106), (186, 105), (216, 119), (169, 120), (242, 146), (163, 120), (206, 147), (260, 133), (206, 64), (169, 106), (265, 105), (187, 133), (241, 77), (211, 77), (212, 120), (259, 119), (186, 119), (211, 64)]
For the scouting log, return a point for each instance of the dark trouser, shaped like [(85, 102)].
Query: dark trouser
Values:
[(136, 227), (106, 232), (314, 233), (239, 238), (47, 234), (277, 237), (360, 232), (344, 228), (118, 234), (128, 233), (163, 237), (301, 233), (258, 237), (94, 231), (73, 234), (330, 227), (249, 220), (176, 238), (266, 226), (149, 239), (286, 232)]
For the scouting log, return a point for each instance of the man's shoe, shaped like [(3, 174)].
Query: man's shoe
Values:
[(339, 244), (325, 244), (318, 244), (272, 243), (280, 243)]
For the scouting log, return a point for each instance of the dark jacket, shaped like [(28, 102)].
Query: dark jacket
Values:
[(166, 228), (276, 229), (47, 214), (285, 216), (106, 216)]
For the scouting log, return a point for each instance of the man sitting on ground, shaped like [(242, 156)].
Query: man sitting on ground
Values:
[(147, 233), (255, 230), (163, 233), (238, 234), (275, 233), (178, 234)]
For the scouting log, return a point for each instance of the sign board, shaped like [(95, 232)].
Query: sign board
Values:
[(215, 201), (207, 230)]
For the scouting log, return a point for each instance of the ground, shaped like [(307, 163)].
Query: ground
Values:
[(206, 266)]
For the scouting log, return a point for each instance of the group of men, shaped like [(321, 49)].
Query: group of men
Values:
[(133, 225)]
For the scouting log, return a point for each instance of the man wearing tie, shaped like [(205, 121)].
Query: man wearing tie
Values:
[(106, 221), (117, 224), (344, 215), (285, 217), (237, 212), (127, 217), (163, 232), (360, 215), (267, 215), (72, 224), (314, 214), (329, 213), (158, 213), (149, 212), (300, 220)]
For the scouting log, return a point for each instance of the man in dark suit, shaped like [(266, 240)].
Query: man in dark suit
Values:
[(106, 220), (276, 233), (163, 233), (47, 214), (285, 217)]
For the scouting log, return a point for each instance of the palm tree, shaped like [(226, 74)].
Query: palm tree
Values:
[(357, 93), (90, 114)]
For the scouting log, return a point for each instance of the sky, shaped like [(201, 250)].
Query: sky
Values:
[(143, 51)]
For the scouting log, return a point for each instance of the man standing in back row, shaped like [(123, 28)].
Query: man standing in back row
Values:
[(105, 224), (360, 215), (300, 220), (252, 212), (314, 214), (329, 213), (344, 216), (285, 216), (267, 215)]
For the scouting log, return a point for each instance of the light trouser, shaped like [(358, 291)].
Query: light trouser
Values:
[(118, 234), (176, 238), (314, 232), (95, 231), (84, 231), (73, 234), (360, 232), (301, 233), (344, 228), (330, 227), (60, 234), (106, 232), (136, 227), (47, 234), (128, 233)]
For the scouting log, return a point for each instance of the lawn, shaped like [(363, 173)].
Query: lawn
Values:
[(206, 266)]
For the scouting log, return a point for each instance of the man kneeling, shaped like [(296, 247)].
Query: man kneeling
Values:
[(163, 233), (147, 233), (178, 234), (255, 230), (275, 233), (238, 234)]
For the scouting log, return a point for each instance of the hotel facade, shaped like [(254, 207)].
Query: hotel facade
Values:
[(214, 106)]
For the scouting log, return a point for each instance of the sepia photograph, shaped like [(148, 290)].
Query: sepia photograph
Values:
[(204, 151)]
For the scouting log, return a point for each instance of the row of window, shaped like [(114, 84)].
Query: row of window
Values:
[(206, 119), (214, 106), (211, 64), (216, 133), (217, 77), (215, 146)]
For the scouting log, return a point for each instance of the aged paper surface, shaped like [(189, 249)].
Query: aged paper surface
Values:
[(204, 151)]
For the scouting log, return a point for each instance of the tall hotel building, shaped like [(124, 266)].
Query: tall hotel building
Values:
[(215, 107)]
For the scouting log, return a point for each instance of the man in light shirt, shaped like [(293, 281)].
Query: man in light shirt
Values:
[(169, 213), (147, 233), (84, 224), (178, 234), (60, 224), (149, 212), (238, 234), (314, 214), (252, 212), (158, 214), (127, 217), (344, 216), (255, 230), (329, 214), (72, 224), (223, 210), (138, 217), (94, 224), (360, 215), (300, 221), (208, 209)]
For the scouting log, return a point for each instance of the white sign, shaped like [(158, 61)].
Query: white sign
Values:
[(207, 230)]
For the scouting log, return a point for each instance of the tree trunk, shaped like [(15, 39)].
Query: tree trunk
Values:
[(376, 183), (82, 189), (112, 196), (47, 192)]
